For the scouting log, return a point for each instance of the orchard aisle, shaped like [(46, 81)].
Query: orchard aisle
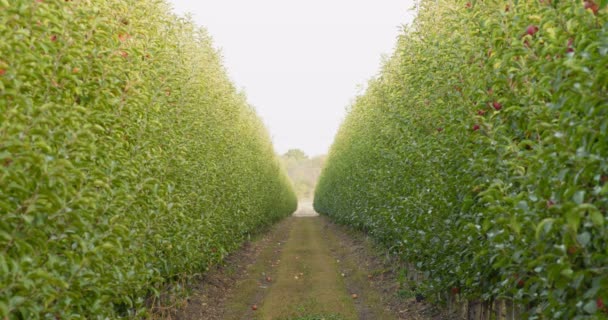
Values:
[(307, 280), (305, 268)]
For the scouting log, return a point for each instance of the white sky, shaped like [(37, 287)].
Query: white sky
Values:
[(301, 63)]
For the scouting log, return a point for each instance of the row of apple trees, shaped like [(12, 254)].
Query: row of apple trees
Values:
[(128, 160), (480, 154)]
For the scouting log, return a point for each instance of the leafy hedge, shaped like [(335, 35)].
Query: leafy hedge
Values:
[(480, 154), (127, 157)]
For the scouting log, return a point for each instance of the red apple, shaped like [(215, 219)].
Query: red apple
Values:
[(496, 105), (455, 290), (476, 127), (569, 48), (481, 112), (520, 283), (2, 72), (439, 129), (124, 37), (532, 30), (254, 307), (53, 38), (572, 250), (600, 304), (589, 4)]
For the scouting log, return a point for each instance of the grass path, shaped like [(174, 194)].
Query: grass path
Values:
[(305, 268), (308, 281), (301, 277)]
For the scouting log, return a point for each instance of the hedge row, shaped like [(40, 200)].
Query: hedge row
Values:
[(480, 154), (127, 158)]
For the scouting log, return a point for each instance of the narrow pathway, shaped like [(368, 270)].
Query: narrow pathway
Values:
[(308, 280), (304, 268)]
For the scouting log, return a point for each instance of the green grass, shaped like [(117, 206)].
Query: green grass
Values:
[(306, 312), (307, 281)]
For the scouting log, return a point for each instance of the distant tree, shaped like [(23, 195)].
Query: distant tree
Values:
[(296, 154), (303, 171)]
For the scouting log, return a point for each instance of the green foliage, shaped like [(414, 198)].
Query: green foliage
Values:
[(480, 154), (295, 154), (127, 158)]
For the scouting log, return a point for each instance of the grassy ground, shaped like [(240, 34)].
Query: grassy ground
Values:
[(305, 268), (308, 281)]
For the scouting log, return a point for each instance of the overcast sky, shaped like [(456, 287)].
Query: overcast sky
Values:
[(301, 62)]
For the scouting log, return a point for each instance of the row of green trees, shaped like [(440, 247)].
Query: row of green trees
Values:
[(480, 154), (127, 158)]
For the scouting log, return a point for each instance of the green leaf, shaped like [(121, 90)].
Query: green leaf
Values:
[(573, 218), (590, 307), (584, 238), (597, 218), (15, 302), (567, 273), (544, 226), (579, 197)]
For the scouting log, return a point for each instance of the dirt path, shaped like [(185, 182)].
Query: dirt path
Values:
[(305, 268), (308, 281)]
